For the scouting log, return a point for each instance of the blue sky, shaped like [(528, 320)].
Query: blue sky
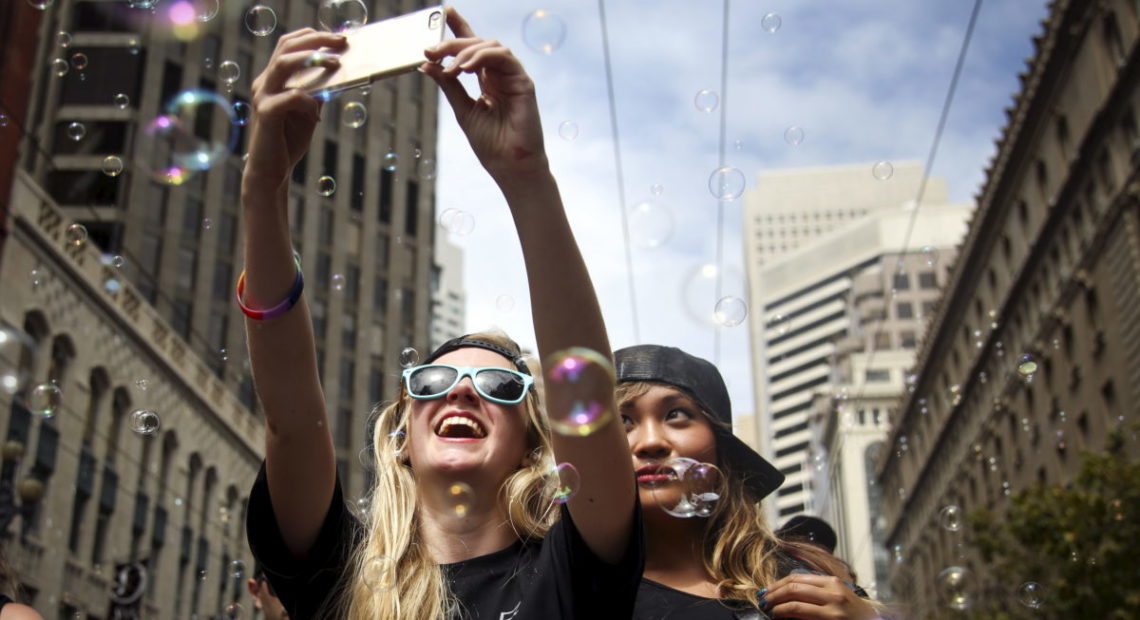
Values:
[(864, 79)]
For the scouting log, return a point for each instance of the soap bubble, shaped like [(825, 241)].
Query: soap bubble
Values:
[(237, 569), (205, 10), (232, 611), (700, 291), (391, 161), (229, 71), (706, 101), (882, 170), (460, 497), (185, 144), (326, 185), (76, 235), (950, 517), (409, 357), (379, 574), (457, 222), (427, 168), (955, 584), (730, 311), (260, 20), (337, 282), (780, 324), (354, 114), (242, 114), (564, 482), (771, 22), (142, 384), (656, 189), (112, 166), (930, 255), (685, 488), (650, 224), (1031, 595), (79, 61), (575, 377), (63, 39), (1027, 367), (45, 400), (40, 4), (543, 31), (794, 135), (342, 15), (122, 101), (15, 345), (504, 303), (76, 131), (144, 422), (568, 130), (726, 183), (60, 67)]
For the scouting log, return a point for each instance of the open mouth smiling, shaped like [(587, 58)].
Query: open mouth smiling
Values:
[(459, 426)]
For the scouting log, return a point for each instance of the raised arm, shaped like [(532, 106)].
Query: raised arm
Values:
[(299, 459), (503, 128)]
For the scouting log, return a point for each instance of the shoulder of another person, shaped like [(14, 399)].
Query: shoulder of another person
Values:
[(18, 611)]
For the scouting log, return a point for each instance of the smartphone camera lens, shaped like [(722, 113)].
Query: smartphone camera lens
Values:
[(435, 20)]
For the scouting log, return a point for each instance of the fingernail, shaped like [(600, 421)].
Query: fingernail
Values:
[(763, 603), (762, 592)]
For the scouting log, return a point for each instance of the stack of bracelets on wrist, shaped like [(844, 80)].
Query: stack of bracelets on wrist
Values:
[(281, 308)]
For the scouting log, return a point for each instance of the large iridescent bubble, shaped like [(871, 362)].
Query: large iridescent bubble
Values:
[(189, 138)]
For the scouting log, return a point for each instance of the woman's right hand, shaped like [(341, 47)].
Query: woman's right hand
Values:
[(284, 118)]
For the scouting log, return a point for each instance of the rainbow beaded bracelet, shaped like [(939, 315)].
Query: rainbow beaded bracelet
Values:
[(281, 308)]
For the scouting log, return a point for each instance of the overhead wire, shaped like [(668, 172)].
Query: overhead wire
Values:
[(720, 170), (635, 317)]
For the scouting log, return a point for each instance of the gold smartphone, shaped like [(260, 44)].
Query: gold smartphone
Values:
[(375, 51)]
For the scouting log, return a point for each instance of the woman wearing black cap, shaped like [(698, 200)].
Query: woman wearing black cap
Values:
[(726, 564), (460, 521)]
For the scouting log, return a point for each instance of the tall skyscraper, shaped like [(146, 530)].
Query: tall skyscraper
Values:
[(803, 302), (109, 125), (1034, 354)]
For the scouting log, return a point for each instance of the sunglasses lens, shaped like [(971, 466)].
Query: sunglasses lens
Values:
[(431, 380), (501, 384)]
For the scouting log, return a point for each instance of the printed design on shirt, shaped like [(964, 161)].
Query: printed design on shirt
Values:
[(508, 615)]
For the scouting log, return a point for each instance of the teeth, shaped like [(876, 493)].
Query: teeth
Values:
[(450, 421)]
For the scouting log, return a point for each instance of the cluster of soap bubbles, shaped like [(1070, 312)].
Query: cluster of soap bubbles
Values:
[(687, 488), (579, 388)]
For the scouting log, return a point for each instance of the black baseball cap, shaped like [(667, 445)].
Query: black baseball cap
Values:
[(701, 380)]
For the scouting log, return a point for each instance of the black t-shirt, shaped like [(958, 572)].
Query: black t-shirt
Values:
[(544, 579), (657, 601)]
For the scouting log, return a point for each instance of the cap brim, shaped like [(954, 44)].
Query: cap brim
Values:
[(760, 476)]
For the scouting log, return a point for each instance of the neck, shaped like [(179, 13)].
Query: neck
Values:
[(483, 526), (674, 554)]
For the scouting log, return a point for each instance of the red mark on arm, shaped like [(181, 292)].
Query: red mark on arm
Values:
[(521, 153)]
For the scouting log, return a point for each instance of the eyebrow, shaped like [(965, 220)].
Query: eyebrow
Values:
[(672, 399)]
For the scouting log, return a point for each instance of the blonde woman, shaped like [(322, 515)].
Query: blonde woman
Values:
[(728, 565), (460, 522)]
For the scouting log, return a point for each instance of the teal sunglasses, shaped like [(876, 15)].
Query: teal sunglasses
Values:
[(498, 385)]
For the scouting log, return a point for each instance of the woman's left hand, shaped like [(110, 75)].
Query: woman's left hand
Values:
[(502, 125), (815, 597)]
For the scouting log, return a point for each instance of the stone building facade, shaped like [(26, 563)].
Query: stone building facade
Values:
[(1034, 354)]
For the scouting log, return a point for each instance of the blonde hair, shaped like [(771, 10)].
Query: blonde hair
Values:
[(741, 553), (414, 586)]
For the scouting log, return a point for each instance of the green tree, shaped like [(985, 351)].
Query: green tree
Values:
[(1079, 542)]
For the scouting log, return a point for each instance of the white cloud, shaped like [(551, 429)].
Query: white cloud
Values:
[(865, 79)]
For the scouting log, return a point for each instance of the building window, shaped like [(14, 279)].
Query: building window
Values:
[(904, 310), (878, 375), (882, 340), (929, 308), (907, 339), (927, 280), (901, 282)]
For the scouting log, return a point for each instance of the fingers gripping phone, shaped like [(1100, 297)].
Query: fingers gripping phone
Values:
[(375, 51)]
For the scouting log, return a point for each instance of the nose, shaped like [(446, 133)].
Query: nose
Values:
[(648, 442), (464, 391)]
